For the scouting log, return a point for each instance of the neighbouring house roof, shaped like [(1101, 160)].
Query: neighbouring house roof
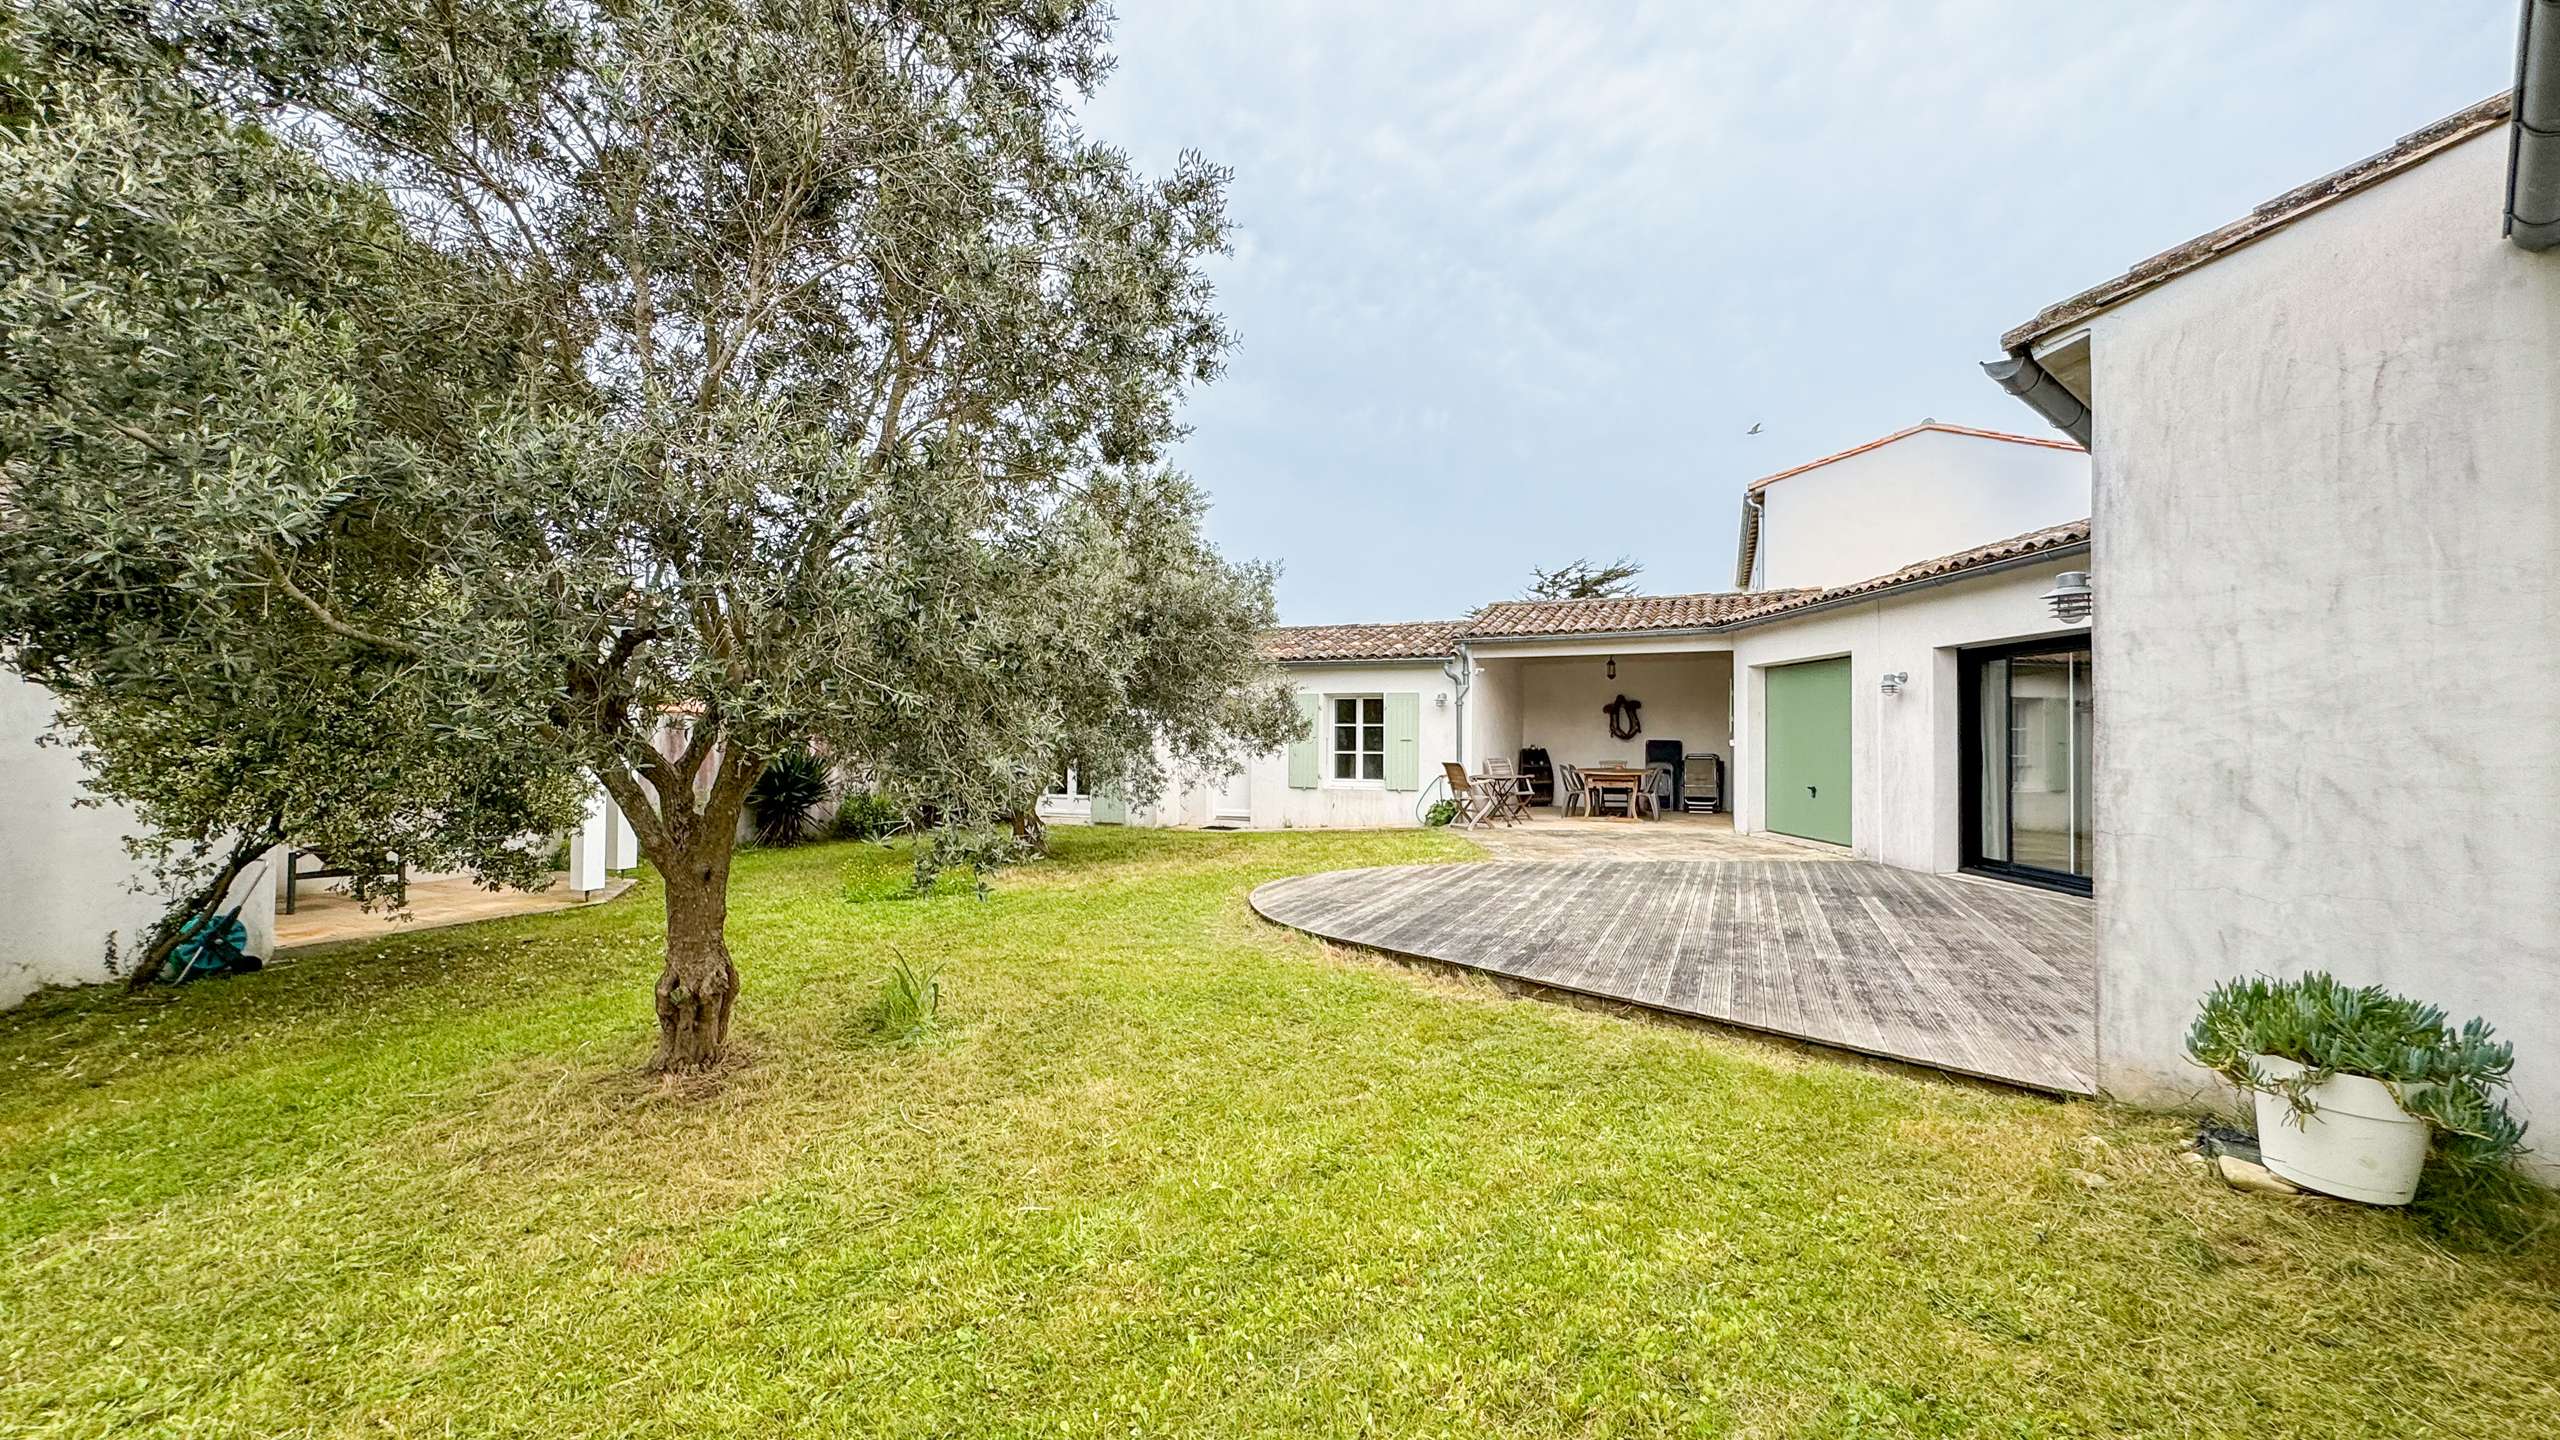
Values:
[(1397, 640), (1630, 614), (2412, 149), (1641, 614)]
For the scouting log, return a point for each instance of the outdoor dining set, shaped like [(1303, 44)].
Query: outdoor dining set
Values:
[(1503, 794)]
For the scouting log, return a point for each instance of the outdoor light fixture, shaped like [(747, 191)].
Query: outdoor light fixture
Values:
[(1440, 701), (1894, 680), (2071, 597), (1613, 667)]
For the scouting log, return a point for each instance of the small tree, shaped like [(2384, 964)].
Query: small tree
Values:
[(825, 325), (1581, 580)]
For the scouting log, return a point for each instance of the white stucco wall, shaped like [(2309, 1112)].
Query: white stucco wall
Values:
[(1905, 755), (1927, 494), (66, 881), (1332, 805), (2328, 501), (1683, 697)]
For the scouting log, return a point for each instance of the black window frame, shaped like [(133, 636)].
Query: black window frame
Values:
[(1969, 663)]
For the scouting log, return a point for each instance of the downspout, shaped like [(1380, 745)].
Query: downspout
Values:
[(1746, 560), (1461, 672), (2533, 151), (2021, 376)]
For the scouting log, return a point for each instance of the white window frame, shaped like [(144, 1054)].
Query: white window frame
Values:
[(1330, 754)]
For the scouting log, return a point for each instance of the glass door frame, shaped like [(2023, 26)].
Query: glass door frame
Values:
[(1969, 665)]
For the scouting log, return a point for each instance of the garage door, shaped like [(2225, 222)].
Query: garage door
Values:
[(1808, 750)]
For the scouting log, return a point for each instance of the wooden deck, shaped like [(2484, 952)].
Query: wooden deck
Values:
[(1988, 979)]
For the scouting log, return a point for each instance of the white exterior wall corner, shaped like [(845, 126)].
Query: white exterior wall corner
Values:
[(2329, 650), (67, 882), (1905, 750)]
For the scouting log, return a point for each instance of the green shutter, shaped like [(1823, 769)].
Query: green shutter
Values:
[(1110, 807), (1302, 751), (1404, 741)]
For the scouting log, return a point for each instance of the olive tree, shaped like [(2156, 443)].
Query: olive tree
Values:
[(837, 363), (214, 355)]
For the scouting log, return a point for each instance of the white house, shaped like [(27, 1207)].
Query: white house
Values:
[(2327, 463), (1780, 693)]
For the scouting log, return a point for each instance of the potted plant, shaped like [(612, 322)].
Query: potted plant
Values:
[(2357, 1087)]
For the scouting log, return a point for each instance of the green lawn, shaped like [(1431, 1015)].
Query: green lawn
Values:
[(1166, 1171)]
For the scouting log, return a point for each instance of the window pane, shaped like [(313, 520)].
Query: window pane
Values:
[(1374, 710), (1344, 765), (1346, 712), (1374, 738), (1345, 737), (1373, 767)]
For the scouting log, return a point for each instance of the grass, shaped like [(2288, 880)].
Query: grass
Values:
[(1157, 1169)]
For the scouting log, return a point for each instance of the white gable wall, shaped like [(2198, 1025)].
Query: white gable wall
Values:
[(1928, 494)]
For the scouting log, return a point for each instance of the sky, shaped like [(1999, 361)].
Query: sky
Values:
[(1511, 282)]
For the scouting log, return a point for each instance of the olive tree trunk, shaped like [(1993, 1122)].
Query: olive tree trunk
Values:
[(699, 983)]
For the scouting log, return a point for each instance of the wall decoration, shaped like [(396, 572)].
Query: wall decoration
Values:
[(1623, 724)]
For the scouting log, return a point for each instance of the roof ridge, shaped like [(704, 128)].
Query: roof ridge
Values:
[(1940, 426)]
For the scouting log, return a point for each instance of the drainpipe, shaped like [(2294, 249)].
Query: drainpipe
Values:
[(2533, 152), (1461, 673), (2021, 376)]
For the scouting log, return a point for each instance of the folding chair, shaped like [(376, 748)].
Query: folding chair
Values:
[(1475, 803)]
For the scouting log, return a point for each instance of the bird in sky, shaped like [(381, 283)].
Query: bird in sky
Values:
[(1754, 430)]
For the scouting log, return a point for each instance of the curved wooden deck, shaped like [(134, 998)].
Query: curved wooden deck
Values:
[(1992, 980)]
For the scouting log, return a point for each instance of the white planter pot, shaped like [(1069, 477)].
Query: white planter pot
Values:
[(2357, 1143)]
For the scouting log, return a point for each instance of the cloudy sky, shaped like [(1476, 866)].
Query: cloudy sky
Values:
[(1513, 280)]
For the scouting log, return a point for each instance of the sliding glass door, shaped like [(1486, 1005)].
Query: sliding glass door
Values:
[(2029, 723)]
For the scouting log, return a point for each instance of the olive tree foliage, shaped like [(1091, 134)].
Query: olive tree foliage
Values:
[(214, 356), (843, 370)]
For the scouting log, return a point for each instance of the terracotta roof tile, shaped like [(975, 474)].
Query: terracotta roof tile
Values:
[(1636, 614), (2016, 547), (1630, 613), (1400, 640), (2410, 149)]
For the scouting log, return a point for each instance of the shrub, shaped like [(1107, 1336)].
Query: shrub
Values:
[(2449, 1078), (1440, 813), (784, 802), (864, 815)]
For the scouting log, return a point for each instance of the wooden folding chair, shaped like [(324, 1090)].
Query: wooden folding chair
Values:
[(1475, 802)]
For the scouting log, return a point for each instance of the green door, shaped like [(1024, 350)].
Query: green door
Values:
[(1808, 748)]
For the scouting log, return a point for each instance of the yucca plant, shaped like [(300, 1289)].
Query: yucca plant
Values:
[(2447, 1077), (786, 797)]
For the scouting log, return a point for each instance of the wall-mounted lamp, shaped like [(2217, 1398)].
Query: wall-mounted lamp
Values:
[(2071, 597), (1613, 667), (1894, 680), (1440, 701)]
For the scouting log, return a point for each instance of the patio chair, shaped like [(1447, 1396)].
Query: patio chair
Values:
[(1475, 802), (1570, 794), (1655, 792)]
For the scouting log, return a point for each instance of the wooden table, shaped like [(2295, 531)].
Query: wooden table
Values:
[(1511, 795), (1629, 778)]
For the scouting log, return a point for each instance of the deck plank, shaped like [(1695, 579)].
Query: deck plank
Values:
[(1995, 981)]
